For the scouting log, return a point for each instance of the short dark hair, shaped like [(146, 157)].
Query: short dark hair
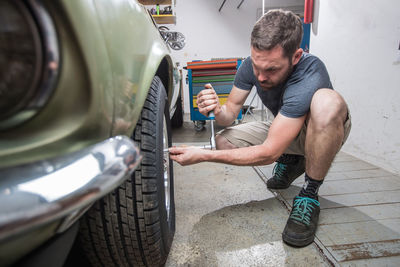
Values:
[(278, 27)]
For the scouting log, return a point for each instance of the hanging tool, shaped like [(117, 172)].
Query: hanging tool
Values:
[(212, 145)]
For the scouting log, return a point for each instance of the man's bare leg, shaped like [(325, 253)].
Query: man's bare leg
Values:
[(325, 132), (324, 137)]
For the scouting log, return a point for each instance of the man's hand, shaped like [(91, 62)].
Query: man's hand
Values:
[(207, 100), (187, 155)]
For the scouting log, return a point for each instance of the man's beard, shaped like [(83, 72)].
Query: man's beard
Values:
[(268, 86)]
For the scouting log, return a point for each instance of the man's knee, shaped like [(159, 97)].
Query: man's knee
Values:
[(327, 107), (223, 143)]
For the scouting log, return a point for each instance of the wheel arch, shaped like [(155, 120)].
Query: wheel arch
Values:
[(164, 72)]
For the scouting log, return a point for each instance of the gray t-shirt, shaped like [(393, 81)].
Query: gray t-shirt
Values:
[(292, 98)]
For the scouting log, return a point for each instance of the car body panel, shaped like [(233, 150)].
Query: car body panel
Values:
[(102, 85), (94, 41), (23, 243)]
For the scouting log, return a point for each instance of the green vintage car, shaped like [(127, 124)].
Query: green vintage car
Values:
[(88, 90)]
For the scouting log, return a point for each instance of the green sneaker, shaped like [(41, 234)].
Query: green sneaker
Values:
[(286, 170), (302, 223)]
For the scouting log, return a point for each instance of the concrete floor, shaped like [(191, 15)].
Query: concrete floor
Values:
[(226, 216)]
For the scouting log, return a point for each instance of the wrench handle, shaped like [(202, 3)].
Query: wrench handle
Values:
[(212, 139)]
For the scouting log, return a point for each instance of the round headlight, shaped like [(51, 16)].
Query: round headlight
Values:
[(20, 57), (29, 60)]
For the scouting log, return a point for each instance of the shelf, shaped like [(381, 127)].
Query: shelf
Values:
[(162, 18), (154, 2), (165, 19)]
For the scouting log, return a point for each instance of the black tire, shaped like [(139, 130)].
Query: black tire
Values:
[(177, 119), (199, 125), (132, 225)]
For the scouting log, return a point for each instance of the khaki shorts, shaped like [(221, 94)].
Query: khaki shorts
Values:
[(255, 133)]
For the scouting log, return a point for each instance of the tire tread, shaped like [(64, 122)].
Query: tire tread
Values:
[(123, 228)]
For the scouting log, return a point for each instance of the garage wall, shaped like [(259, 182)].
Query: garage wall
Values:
[(359, 42), (213, 34)]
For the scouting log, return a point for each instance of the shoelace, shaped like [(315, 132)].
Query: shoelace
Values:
[(278, 169), (302, 209)]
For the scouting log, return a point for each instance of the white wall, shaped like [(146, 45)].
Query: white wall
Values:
[(359, 42), (213, 34)]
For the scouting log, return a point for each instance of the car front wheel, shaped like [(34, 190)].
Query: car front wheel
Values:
[(134, 225)]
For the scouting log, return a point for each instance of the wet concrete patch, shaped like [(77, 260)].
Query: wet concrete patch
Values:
[(227, 217)]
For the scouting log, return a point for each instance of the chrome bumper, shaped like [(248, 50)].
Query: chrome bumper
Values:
[(42, 192)]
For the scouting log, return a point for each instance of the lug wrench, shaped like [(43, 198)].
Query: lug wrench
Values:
[(212, 145), (212, 139)]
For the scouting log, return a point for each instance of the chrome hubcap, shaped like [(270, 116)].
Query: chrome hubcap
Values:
[(166, 172)]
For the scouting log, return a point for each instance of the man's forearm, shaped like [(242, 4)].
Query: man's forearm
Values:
[(225, 117), (245, 156)]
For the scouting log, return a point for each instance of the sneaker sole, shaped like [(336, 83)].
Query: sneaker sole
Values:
[(282, 186), (277, 187), (297, 242)]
